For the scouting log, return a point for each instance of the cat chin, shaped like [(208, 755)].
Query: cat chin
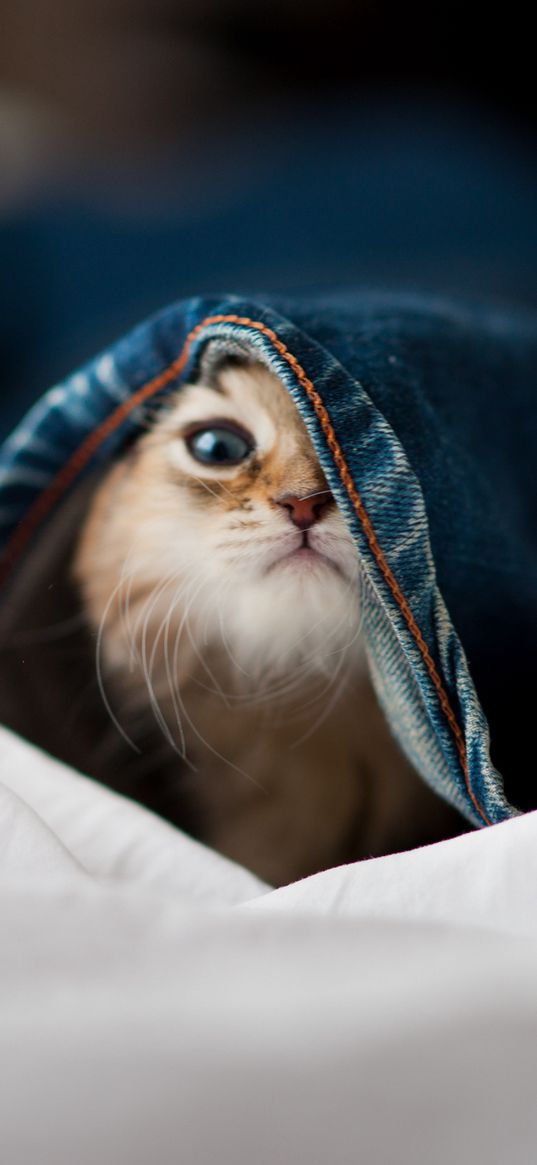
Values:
[(302, 563), (295, 616)]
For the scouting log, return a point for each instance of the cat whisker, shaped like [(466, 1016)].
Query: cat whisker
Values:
[(284, 691), (316, 493), (147, 608), (216, 689), (329, 706), (98, 667), (171, 672), (124, 611), (227, 648), (148, 667), (297, 684), (221, 486)]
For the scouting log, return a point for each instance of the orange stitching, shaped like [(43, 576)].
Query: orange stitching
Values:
[(83, 454)]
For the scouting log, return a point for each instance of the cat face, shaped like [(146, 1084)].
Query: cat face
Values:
[(222, 512)]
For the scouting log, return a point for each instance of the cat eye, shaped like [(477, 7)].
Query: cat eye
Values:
[(219, 444)]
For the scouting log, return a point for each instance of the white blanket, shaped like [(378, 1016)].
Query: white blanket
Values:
[(160, 1006)]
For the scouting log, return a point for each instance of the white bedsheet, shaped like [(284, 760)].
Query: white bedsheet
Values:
[(159, 1005)]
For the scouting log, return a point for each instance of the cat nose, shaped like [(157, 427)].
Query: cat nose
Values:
[(304, 512)]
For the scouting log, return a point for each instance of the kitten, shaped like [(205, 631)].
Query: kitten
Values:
[(223, 586)]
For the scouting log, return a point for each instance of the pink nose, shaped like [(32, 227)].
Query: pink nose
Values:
[(304, 512)]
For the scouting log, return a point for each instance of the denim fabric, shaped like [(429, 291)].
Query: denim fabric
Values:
[(422, 415)]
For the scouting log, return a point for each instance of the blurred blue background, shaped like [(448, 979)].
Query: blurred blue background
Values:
[(152, 152)]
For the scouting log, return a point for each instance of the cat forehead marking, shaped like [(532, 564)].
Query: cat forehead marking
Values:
[(255, 398)]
